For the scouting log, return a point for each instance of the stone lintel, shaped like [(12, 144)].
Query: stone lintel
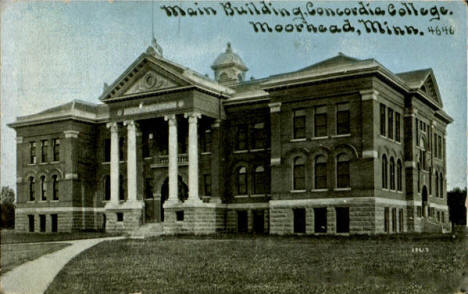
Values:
[(71, 134), (369, 154), (71, 176)]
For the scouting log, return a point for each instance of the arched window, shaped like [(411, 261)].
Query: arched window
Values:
[(384, 172), (399, 176), (437, 184), (320, 170), (259, 180), (392, 173), (299, 173), (107, 188), (43, 188), (55, 188), (32, 189), (241, 181), (342, 171), (441, 185)]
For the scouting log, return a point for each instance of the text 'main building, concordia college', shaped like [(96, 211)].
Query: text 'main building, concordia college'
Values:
[(341, 146)]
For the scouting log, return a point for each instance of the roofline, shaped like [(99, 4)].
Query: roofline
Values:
[(27, 123)]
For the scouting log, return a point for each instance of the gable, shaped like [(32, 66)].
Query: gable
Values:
[(145, 75), (430, 88)]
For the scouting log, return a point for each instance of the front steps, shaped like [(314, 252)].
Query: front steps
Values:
[(148, 230)]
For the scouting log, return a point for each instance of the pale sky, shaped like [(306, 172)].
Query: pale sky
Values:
[(53, 52)]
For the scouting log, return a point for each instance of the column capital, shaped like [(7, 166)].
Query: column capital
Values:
[(275, 107), (192, 116), (130, 124), (171, 118), (71, 134), (19, 140), (369, 94), (113, 126)]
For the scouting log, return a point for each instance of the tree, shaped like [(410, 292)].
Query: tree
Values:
[(456, 203), (7, 207)]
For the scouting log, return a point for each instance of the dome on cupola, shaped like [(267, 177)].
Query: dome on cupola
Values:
[(228, 67)]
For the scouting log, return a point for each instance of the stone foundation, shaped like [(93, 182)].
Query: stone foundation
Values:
[(199, 218), (130, 213)]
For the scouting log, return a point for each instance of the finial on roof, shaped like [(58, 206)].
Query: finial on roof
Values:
[(229, 49), (154, 49), (340, 54)]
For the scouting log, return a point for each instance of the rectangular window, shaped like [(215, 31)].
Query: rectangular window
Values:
[(44, 149), (342, 219), (120, 216), (401, 221), (299, 220), (390, 123), (206, 141), (417, 131), (320, 175), (397, 127), (180, 216), (299, 124), (42, 223), (299, 176), (54, 222), (320, 220), (342, 119), (258, 221), (31, 223), (241, 137), (431, 212), (438, 216), (242, 221), (32, 152), (442, 217), (440, 146), (419, 211), (342, 174), (207, 184), (107, 150), (383, 126), (386, 219), (320, 121), (147, 144), (258, 136), (56, 149), (394, 220)]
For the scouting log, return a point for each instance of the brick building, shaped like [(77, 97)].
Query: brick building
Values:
[(341, 146)]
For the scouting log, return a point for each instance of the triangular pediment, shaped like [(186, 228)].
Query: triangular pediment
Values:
[(145, 75), (430, 88)]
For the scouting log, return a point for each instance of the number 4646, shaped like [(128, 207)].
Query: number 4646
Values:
[(442, 30)]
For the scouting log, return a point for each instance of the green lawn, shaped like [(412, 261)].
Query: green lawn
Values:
[(266, 265), (11, 237), (13, 255)]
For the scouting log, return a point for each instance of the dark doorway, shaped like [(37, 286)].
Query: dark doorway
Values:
[(54, 220), (342, 219), (424, 201), (104, 222), (31, 223), (182, 189), (259, 221), (320, 219), (299, 220), (42, 223), (150, 202), (242, 221)]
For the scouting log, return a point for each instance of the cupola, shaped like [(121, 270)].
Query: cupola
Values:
[(229, 67)]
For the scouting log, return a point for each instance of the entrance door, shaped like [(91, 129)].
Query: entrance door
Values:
[(242, 221), (54, 220), (150, 205), (259, 221)]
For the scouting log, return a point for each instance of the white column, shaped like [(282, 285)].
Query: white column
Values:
[(114, 165), (131, 160), (193, 157), (173, 173)]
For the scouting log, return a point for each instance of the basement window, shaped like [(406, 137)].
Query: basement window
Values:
[(120, 216), (180, 215)]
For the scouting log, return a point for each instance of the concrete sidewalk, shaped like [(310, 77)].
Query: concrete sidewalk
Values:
[(35, 276)]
